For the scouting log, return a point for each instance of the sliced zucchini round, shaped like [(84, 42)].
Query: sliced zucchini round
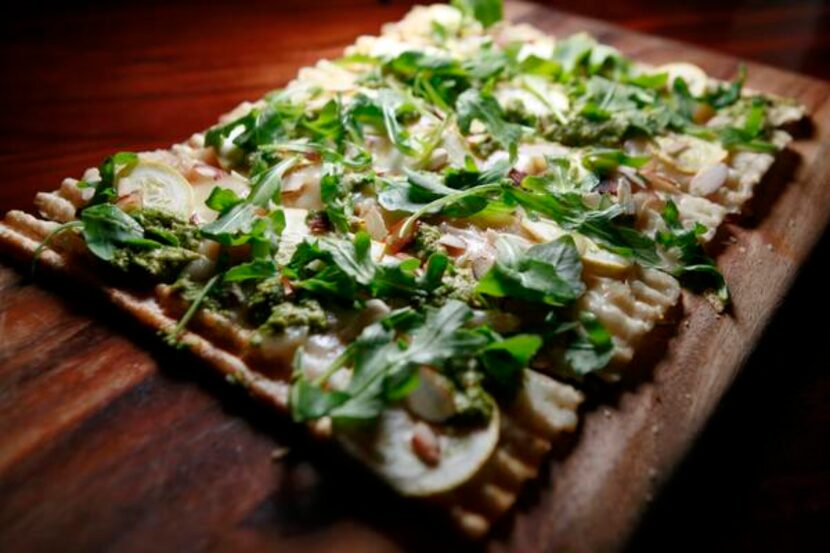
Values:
[(159, 186), (387, 450)]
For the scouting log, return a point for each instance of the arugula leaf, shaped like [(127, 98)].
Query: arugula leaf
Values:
[(569, 212), (267, 186), (105, 186), (260, 126), (428, 193), (383, 368), (573, 51), (335, 197), (361, 160), (172, 335), (549, 273), (503, 361), (354, 259), (729, 93), (476, 105), (464, 204), (654, 81), (106, 228), (382, 113), (487, 12), (605, 160), (258, 269), (329, 124), (310, 401), (486, 65), (564, 175), (591, 347), (249, 220), (535, 65), (437, 79), (222, 199), (69, 225), (697, 271), (235, 227), (749, 137), (333, 266)]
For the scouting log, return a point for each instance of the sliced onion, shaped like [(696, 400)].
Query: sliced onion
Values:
[(375, 225), (453, 242)]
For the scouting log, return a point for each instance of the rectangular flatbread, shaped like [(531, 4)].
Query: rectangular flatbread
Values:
[(423, 249)]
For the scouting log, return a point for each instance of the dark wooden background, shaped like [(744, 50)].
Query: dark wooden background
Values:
[(81, 81)]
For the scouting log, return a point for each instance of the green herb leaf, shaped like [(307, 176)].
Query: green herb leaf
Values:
[(504, 361), (258, 269), (222, 199), (476, 105), (249, 220), (105, 187), (549, 273), (727, 94), (106, 228), (335, 197), (382, 113), (569, 211), (696, 271), (590, 348), (383, 369), (487, 12)]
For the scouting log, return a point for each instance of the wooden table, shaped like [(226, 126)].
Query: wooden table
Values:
[(97, 472)]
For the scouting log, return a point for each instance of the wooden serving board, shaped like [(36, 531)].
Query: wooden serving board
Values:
[(108, 440)]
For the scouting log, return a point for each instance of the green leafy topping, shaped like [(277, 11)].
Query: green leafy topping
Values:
[(487, 12), (173, 336), (106, 228), (590, 346), (335, 196), (105, 186), (476, 105), (258, 269), (696, 269), (569, 211), (503, 361), (384, 112), (549, 273), (222, 199), (249, 220), (383, 362)]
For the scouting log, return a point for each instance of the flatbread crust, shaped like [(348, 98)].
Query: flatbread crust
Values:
[(629, 303)]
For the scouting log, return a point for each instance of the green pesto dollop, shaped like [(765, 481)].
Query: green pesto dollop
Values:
[(167, 228), (516, 112), (179, 244), (267, 294), (459, 283), (426, 241), (582, 132), (306, 312), (161, 264), (473, 407)]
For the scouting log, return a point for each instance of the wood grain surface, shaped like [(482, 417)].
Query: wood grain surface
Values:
[(110, 441)]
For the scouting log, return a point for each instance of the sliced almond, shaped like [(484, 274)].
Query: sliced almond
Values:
[(432, 400), (709, 179)]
